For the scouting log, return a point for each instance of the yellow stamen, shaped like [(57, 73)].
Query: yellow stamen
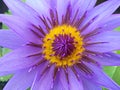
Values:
[(48, 40)]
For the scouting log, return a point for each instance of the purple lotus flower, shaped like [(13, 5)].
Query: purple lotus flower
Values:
[(60, 44)]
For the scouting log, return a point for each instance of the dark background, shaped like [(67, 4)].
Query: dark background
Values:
[(3, 8)]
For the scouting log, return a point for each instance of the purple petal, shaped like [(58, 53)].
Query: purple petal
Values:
[(20, 58), (75, 4), (9, 39), (64, 80), (75, 84), (82, 73), (40, 69), (44, 82), (52, 4), (21, 27), (21, 9), (61, 8), (89, 85), (100, 12), (110, 23), (107, 41), (101, 78), (22, 80), (105, 37), (41, 6), (6, 73), (57, 84), (103, 48), (107, 59), (83, 6)]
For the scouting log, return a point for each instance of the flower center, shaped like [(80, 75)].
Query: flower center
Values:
[(63, 46)]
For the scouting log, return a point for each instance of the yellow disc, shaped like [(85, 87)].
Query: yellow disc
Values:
[(48, 40)]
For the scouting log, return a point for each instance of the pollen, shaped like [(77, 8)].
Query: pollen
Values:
[(63, 46)]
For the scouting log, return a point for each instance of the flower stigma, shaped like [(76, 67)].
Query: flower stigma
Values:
[(63, 46)]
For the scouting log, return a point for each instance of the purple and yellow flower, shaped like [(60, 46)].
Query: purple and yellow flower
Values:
[(60, 44)]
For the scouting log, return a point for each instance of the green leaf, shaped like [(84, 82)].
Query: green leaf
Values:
[(110, 70), (23, 0), (116, 76), (5, 78), (104, 89), (5, 51), (118, 52), (118, 29), (8, 12), (0, 51), (4, 26)]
